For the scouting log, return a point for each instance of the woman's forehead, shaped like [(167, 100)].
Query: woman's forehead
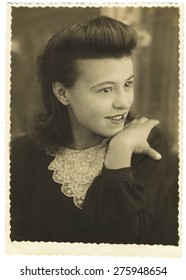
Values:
[(94, 70)]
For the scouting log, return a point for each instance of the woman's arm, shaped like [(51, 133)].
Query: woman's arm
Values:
[(121, 204), (23, 159), (18, 220), (132, 139)]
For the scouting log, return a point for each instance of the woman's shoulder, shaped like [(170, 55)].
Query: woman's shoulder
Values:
[(23, 143), (25, 148), (157, 139), (26, 156)]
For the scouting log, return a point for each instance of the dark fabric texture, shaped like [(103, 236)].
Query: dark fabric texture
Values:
[(121, 206)]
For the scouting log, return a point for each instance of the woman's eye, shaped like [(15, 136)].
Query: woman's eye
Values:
[(106, 90), (128, 84)]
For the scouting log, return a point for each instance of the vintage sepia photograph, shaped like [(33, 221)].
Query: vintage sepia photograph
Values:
[(94, 126)]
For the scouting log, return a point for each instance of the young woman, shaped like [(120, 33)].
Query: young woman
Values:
[(89, 172)]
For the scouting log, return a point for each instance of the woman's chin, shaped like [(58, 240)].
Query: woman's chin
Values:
[(112, 133)]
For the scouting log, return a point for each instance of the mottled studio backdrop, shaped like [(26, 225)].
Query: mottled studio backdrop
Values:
[(156, 71)]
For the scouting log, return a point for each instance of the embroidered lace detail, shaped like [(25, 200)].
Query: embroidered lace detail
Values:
[(75, 170)]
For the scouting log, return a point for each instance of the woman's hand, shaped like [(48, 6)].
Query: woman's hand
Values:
[(132, 139)]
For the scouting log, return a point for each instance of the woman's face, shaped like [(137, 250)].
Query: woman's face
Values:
[(101, 97)]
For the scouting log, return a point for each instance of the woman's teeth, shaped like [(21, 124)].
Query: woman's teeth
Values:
[(117, 118)]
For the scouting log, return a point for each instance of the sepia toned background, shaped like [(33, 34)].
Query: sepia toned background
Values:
[(156, 74)]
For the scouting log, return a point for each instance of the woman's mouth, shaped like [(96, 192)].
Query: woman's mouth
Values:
[(117, 118)]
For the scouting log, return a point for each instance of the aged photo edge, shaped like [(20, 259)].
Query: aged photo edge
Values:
[(54, 248)]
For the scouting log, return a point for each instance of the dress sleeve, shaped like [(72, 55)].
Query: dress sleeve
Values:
[(121, 205)]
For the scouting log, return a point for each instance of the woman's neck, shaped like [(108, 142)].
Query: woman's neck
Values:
[(82, 138), (83, 141)]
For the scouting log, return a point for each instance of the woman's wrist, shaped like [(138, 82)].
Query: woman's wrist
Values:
[(118, 158)]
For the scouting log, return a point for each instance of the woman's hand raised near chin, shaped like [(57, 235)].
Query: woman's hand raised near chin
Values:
[(132, 139)]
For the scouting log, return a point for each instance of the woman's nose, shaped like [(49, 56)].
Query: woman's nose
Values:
[(122, 100)]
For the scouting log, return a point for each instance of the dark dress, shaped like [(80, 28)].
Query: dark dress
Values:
[(121, 206)]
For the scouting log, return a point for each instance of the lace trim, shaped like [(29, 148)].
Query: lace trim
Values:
[(75, 170)]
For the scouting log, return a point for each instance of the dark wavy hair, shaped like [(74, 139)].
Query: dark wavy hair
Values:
[(102, 37)]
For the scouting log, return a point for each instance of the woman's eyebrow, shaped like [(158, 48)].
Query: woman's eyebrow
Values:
[(102, 83), (131, 77), (109, 82)]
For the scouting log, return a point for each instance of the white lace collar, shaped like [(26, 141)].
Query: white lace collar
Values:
[(75, 170)]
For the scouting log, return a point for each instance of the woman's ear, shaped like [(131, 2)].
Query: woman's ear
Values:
[(60, 92)]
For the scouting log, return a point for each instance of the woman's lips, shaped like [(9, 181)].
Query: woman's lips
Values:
[(120, 118)]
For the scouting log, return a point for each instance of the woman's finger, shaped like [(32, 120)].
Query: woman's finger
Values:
[(143, 120), (152, 153), (151, 123)]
